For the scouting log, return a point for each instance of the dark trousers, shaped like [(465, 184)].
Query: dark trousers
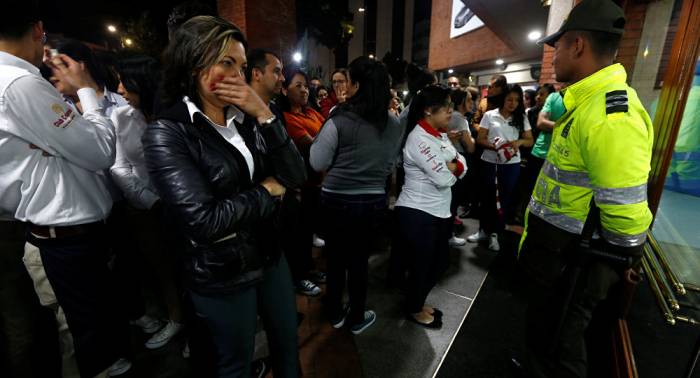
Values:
[(297, 228), (232, 323), (351, 224), (128, 264), (547, 262), (397, 260), (459, 195), (426, 237), (77, 270), (27, 330), (526, 184), (157, 256), (534, 165), (472, 181), (491, 219)]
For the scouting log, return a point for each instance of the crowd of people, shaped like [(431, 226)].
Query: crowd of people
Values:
[(217, 168)]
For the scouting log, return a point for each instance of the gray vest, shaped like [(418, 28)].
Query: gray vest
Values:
[(364, 156)]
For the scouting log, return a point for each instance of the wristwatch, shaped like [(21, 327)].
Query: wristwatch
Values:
[(269, 121)]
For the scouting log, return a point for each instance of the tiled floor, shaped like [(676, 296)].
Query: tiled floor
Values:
[(395, 347), (392, 347)]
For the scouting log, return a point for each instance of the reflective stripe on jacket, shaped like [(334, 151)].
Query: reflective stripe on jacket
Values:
[(601, 148)]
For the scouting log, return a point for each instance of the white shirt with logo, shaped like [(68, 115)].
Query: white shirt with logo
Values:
[(500, 127), (64, 187), (428, 179)]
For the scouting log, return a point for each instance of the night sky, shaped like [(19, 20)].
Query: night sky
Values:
[(87, 20)]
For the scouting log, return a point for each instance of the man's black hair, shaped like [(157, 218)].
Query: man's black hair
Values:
[(500, 81), (257, 58), (17, 18), (80, 52), (604, 45)]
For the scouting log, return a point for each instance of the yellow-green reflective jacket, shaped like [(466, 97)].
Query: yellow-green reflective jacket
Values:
[(601, 148)]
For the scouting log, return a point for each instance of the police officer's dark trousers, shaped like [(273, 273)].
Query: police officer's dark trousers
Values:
[(555, 346)]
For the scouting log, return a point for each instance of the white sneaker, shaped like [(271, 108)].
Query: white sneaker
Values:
[(164, 335), (147, 324), (309, 288), (493, 243), (118, 368), (457, 242), (370, 318), (318, 242), (477, 237)]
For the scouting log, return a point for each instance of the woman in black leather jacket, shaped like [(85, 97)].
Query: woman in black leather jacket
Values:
[(220, 161)]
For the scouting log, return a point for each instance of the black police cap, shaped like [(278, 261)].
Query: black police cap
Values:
[(591, 15)]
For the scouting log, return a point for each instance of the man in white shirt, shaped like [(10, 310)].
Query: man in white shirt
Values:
[(49, 161)]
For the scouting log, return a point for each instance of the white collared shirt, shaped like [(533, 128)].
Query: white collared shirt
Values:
[(501, 127), (129, 170), (428, 179), (108, 102), (230, 132), (63, 188)]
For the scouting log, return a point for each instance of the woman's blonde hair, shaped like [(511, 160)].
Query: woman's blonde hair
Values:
[(198, 44)]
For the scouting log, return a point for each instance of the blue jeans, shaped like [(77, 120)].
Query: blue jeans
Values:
[(491, 220), (232, 321), (351, 223)]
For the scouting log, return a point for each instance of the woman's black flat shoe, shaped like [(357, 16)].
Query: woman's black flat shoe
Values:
[(437, 313), (435, 324)]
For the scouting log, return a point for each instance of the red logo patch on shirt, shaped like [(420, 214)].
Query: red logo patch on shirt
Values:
[(65, 116)]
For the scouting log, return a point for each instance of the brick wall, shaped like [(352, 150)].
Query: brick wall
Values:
[(267, 24), (481, 45), (233, 11), (629, 45), (547, 75), (635, 12)]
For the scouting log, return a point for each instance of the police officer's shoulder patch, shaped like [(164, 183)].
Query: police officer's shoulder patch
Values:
[(616, 102), (565, 130)]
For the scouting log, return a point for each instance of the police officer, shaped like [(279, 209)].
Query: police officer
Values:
[(49, 163), (599, 162)]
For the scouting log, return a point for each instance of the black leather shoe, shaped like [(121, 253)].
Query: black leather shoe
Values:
[(437, 313), (435, 324)]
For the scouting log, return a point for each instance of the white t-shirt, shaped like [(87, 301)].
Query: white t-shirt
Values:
[(501, 127)]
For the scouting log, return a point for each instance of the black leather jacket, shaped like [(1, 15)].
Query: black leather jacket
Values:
[(227, 219)]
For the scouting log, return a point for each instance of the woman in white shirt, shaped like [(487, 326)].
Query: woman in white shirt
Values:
[(432, 166), (503, 131), (138, 80)]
